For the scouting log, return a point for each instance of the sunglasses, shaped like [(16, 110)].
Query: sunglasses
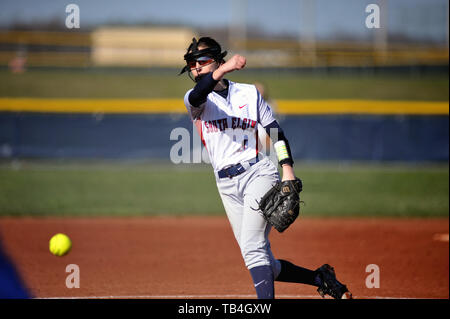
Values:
[(202, 61)]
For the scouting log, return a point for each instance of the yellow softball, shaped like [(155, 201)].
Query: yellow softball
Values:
[(60, 244)]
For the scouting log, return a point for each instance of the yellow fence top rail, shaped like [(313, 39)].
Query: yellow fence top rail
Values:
[(298, 107)]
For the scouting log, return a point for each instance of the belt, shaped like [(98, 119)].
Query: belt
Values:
[(235, 170)]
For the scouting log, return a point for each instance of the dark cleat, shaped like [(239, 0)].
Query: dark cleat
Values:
[(329, 285)]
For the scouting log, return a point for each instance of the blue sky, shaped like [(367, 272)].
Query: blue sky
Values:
[(421, 19)]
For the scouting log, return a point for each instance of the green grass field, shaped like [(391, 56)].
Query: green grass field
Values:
[(125, 189), (96, 83)]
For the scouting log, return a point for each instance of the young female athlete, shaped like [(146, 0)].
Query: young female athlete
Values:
[(226, 115)]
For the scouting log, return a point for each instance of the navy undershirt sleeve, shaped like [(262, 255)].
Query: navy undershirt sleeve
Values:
[(201, 90), (280, 137)]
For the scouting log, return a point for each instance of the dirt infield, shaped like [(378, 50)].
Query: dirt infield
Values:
[(197, 257)]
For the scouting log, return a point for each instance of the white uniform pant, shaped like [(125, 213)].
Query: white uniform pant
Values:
[(240, 196)]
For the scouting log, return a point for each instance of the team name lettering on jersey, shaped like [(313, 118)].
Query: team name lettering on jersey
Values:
[(222, 124), (244, 123), (216, 125)]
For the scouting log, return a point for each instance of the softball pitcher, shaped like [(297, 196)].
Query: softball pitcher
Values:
[(226, 115)]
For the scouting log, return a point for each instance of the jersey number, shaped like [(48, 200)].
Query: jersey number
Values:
[(244, 143)]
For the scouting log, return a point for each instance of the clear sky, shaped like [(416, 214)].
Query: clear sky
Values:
[(420, 19)]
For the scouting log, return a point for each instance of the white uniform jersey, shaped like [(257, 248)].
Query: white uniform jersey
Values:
[(229, 127)]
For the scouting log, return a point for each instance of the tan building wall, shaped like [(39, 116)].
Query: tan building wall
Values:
[(140, 46)]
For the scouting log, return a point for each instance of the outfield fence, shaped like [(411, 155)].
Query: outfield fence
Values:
[(317, 130)]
